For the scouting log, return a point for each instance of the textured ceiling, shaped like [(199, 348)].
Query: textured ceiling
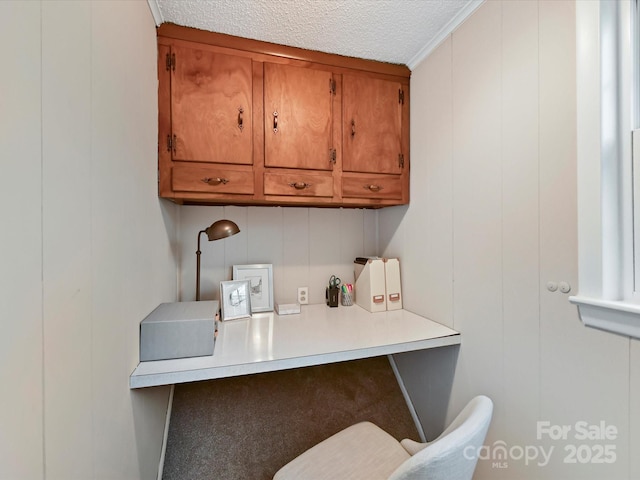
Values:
[(395, 31)]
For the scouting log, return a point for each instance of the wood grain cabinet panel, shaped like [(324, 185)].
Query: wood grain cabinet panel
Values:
[(372, 125), (212, 179), (299, 184), (211, 106), (383, 187), (298, 117)]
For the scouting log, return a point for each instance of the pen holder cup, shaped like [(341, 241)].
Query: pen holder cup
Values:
[(332, 295), (347, 299)]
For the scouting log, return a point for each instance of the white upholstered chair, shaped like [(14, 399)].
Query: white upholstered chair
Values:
[(366, 452)]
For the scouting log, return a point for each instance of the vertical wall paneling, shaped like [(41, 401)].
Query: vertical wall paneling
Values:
[(295, 253), (513, 95), (391, 230), (584, 373), (429, 230), (520, 224), (324, 250), (132, 261), (477, 206), (97, 246), (437, 270), (427, 250), (304, 245), (265, 239), (111, 242), (350, 243), (66, 129), (236, 248), (21, 357), (370, 243)]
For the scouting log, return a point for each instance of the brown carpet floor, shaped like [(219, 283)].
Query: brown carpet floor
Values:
[(246, 428)]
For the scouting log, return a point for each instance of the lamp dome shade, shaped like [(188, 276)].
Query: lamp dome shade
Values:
[(221, 229)]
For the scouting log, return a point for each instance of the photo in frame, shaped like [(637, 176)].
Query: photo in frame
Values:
[(260, 277), (235, 299)]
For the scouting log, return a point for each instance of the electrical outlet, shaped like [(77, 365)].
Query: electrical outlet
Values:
[(303, 295)]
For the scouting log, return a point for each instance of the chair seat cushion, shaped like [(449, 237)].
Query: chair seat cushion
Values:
[(360, 452)]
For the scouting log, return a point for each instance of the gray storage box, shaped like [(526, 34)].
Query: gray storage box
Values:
[(178, 330)]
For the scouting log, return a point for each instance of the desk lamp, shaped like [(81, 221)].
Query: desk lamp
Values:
[(218, 230)]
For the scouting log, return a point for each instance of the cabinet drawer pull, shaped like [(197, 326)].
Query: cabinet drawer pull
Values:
[(353, 128), (240, 112), (373, 188), (299, 185), (275, 122), (215, 181)]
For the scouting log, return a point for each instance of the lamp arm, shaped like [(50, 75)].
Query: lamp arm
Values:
[(198, 253)]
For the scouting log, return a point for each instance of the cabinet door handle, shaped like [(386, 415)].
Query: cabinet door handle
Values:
[(353, 128), (299, 185), (373, 188), (275, 122), (213, 181), (240, 112)]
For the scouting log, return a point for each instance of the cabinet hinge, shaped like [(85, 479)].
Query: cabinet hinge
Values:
[(171, 143), (332, 86), (332, 155), (401, 96), (401, 160), (171, 61)]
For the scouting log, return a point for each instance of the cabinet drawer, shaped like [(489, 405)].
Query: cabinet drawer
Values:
[(212, 179), (372, 186), (298, 184)]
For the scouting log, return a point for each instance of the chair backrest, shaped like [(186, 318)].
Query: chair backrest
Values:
[(454, 454)]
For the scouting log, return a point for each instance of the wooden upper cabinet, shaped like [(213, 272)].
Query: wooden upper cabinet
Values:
[(244, 122), (211, 106), (298, 117), (372, 125)]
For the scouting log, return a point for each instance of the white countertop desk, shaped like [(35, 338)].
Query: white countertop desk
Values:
[(318, 335)]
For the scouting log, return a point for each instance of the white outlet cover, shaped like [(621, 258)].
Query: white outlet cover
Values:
[(303, 295)]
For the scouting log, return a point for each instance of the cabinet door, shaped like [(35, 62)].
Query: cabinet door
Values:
[(211, 110), (372, 125), (297, 117)]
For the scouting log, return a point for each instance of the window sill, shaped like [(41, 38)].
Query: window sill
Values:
[(613, 316)]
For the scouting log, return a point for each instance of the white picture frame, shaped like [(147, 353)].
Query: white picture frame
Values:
[(260, 277), (235, 299)]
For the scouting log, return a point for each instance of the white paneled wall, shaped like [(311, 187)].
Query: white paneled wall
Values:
[(304, 245), (67, 232), (87, 247), (21, 368), (429, 241), (133, 232), (477, 205), (493, 152), (520, 219)]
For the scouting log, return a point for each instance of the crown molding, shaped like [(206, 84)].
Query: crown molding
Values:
[(155, 11), (444, 32)]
